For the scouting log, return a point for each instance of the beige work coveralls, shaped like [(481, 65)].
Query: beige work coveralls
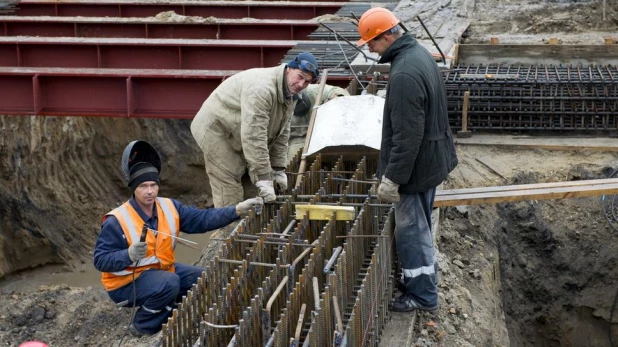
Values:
[(244, 126)]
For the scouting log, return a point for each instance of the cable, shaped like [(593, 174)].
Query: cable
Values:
[(350, 65), (610, 216), (133, 310)]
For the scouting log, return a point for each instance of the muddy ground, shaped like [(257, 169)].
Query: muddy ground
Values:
[(528, 273)]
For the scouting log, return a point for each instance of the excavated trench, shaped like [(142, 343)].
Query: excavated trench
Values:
[(554, 263)]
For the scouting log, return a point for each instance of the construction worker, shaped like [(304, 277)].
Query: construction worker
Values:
[(244, 126), (416, 154), (302, 113), (140, 269)]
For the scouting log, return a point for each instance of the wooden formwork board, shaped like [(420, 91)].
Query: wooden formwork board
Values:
[(474, 54), (539, 191)]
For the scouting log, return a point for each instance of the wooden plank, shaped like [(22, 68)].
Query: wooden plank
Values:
[(494, 189), (323, 212), (536, 54), (526, 194), (549, 143)]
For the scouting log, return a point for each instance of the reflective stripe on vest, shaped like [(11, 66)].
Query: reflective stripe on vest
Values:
[(167, 206), (160, 254)]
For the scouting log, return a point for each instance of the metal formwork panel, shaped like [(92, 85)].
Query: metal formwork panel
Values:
[(110, 92), (220, 29), (221, 9), (141, 53)]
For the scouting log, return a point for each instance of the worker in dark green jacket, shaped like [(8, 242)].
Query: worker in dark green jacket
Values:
[(416, 154)]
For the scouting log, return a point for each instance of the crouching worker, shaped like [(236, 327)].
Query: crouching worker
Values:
[(142, 271)]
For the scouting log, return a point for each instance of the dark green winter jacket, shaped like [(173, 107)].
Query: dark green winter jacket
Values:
[(417, 149)]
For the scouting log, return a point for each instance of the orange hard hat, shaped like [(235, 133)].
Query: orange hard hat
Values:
[(374, 22)]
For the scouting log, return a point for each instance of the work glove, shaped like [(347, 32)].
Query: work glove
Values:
[(266, 190), (280, 179), (137, 251), (243, 208), (387, 191)]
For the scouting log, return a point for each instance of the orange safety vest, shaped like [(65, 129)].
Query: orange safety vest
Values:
[(160, 253)]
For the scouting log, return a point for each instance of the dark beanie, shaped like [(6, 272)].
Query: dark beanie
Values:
[(306, 62), (142, 172)]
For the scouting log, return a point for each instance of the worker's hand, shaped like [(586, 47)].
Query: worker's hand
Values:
[(243, 208), (388, 191), (137, 251), (280, 179), (266, 190)]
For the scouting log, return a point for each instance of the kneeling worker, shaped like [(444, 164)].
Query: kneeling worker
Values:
[(140, 269)]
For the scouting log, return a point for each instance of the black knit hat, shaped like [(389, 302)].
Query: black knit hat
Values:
[(142, 172)]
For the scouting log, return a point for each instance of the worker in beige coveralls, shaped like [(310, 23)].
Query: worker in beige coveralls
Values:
[(244, 126), (302, 113)]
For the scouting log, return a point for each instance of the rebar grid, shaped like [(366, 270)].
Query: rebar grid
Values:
[(539, 97), (268, 285)]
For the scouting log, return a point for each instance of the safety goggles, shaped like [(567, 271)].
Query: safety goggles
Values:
[(307, 66)]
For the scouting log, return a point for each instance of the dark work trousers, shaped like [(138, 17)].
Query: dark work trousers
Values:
[(415, 248), (157, 292)]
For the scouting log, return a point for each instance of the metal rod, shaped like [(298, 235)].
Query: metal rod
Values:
[(299, 324), (354, 181), (350, 43), (357, 19), (269, 242), (174, 236), (332, 259), (357, 236), (307, 196), (432, 40), (338, 315), (316, 293), (254, 263)]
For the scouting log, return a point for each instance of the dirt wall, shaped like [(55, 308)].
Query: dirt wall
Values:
[(60, 175)]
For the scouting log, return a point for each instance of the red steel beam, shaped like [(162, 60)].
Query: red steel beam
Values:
[(297, 9), (141, 53), (110, 92), (223, 29)]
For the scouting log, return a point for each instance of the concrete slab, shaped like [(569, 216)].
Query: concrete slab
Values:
[(348, 121)]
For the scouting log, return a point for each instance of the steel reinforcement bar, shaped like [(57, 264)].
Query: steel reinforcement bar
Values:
[(286, 280), (540, 97)]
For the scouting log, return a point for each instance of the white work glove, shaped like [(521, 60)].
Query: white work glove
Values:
[(243, 208), (137, 251), (266, 190), (280, 179), (387, 191)]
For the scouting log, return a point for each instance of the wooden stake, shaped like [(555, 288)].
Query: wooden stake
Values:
[(464, 117)]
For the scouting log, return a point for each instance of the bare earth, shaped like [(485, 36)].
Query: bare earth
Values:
[(528, 273)]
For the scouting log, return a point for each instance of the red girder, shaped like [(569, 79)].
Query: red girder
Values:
[(141, 53), (223, 29), (222, 9), (110, 92)]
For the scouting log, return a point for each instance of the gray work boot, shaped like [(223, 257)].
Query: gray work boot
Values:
[(135, 332), (406, 303)]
